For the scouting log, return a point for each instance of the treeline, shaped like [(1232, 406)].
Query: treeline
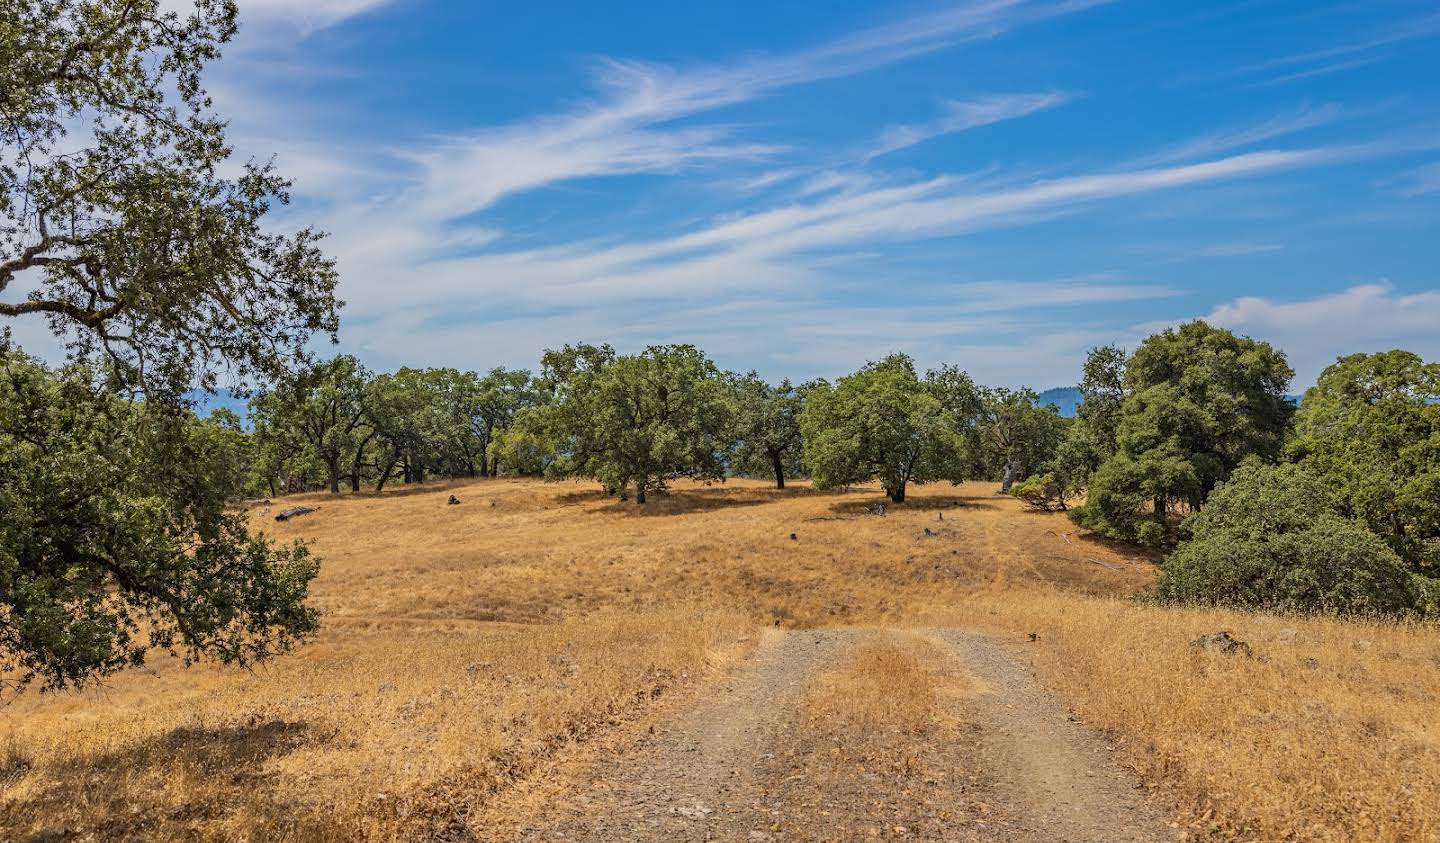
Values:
[(635, 423), (1189, 444)]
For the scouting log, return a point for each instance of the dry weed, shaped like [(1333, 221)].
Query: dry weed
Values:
[(1328, 733), (463, 644)]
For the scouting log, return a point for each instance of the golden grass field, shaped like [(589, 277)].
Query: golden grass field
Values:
[(465, 647)]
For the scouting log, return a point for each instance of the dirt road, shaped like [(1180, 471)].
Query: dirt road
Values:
[(737, 765)]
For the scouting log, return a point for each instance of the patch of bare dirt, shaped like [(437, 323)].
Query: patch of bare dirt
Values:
[(1003, 762), (1059, 778)]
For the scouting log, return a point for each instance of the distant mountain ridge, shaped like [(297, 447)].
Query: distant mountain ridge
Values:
[(1066, 398)]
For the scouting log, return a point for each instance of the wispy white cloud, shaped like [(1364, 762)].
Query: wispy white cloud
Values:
[(1366, 49), (1235, 138), (1322, 70), (773, 251), (1230, 250), (1177, 252), (1421, 181), (298, 17), (964, 115), (628, 128), (841, 180), (802, 334), (1314, 332)]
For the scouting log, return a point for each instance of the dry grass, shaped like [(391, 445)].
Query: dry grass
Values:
[(388, 734), (527, 552), (888, 688), (875, 749), (462, 645), (1329, 733)]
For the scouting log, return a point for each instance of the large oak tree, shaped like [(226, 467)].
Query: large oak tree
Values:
[(886, 423), (632, 422), (122, 225), (1197, 401), (118, 221)]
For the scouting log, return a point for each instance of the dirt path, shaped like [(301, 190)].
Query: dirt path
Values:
[(695, 778), (1058, 777), (737, 766)]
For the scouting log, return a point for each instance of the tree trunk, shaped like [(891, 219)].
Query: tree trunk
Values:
[(333, 466), (385, 477), (779, 467), (354, 481), (271, 481), (1012, 473), (897, 494), (495, 467), (640, 490)]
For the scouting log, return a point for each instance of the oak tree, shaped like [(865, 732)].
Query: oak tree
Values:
[(119, 221), (884, 423)]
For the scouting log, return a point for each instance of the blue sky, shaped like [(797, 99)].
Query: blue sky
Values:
[(798, 188)]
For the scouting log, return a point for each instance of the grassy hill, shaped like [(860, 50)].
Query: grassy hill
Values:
[(471, 655)]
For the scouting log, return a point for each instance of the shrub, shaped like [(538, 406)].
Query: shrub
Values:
[(1126, 498), (1041, 491), (1274, 537)]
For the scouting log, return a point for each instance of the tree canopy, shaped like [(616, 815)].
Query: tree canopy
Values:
[(1277, 537), (115, 213), (1016, 436), (124, 223), (115, 538), (320, 409), (1197, 401), (767, 418), (632, 422), (884, 423), (1372, 424)]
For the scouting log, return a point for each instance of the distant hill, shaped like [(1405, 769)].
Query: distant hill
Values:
[(1067, 398)]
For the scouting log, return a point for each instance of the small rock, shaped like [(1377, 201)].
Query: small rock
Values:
[(794, 538), (1221, 642), (454, 501), (1034, 636)]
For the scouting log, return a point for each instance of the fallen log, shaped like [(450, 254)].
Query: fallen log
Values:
[(294, 511)]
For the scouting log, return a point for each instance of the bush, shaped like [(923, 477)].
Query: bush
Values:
[(1274, 537), (1126, 498), (1041, 491)]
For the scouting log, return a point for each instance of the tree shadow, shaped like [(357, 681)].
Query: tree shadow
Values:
[(1121, 548), (926, 503), (405, 490), (681, 501), (104, 787), (692, 500)]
